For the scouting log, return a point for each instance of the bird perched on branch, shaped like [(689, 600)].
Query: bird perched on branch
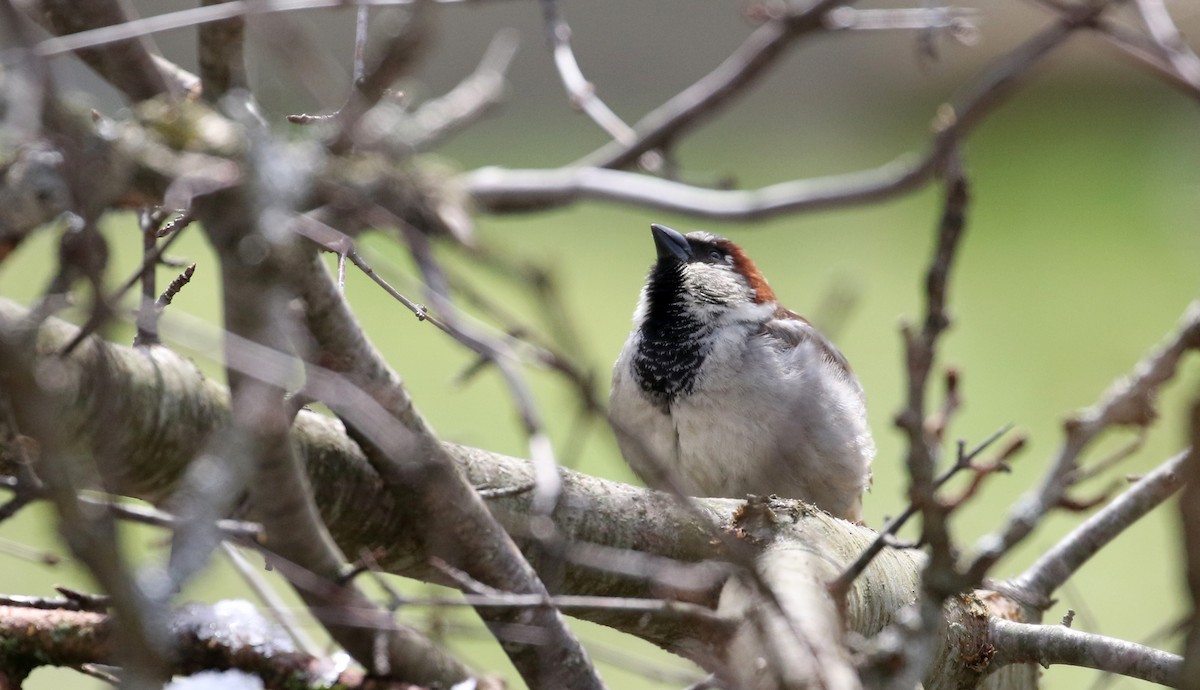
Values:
[(720, 391)]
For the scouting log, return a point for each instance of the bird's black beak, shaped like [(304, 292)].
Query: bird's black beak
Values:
[(670, 244)]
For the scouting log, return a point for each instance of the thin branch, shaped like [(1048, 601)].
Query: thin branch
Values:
[(196, 16), (276, 607), (502, 190), (1144, 52), (581, 92), (703, 99), (958, 22), (164, 300), (493, 350), (541, 453), (472, 98), (172, 230), (1128, 402), (499, 190), (396, 58), (939, 578), (1038, 583), (1098, 467), (1168, 38), (920, 349), (232, 529), (362, 15), (149, 222), (393, 129), (964, 462), (1017, 643)]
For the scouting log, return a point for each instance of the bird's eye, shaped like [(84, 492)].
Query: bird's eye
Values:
[(715, 255)]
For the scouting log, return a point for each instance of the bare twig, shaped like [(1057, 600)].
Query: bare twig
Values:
[(196, 16), (1144, 52), (399, 53), (172, 231), (232, 529), (29, 553), (959, 23), (274, 603), (479, 594), (258, 429), (920, 348), (749, 62), (1098, 467), (963, 462), (502, 356), (361, 17), (581, 92), (149, 221), (939, 579), (164, 300), (436, 120)]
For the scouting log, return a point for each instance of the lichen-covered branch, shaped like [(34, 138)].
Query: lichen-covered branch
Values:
[(36, 637)]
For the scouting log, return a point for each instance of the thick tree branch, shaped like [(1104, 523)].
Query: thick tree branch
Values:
[(127, 64), (220, 55), (653, 533), (67, 468), (649, 531), (1017, 643), (1189, 513)]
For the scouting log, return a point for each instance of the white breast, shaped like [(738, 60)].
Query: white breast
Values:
[(764, 418)]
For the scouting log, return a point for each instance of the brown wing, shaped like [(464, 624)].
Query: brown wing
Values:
[(794, 329)]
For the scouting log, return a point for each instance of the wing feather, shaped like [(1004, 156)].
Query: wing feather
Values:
[(793, 329)]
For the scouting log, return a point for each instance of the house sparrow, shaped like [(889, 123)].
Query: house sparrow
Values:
[(720, 391)]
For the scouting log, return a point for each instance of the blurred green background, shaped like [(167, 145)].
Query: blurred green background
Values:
[(1081, 252)]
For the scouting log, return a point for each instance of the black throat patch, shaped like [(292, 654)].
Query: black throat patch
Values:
[(673, 345)]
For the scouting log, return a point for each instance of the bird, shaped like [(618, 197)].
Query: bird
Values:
[(721, 391)]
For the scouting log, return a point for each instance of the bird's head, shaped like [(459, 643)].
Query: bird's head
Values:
[(702, 273)]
